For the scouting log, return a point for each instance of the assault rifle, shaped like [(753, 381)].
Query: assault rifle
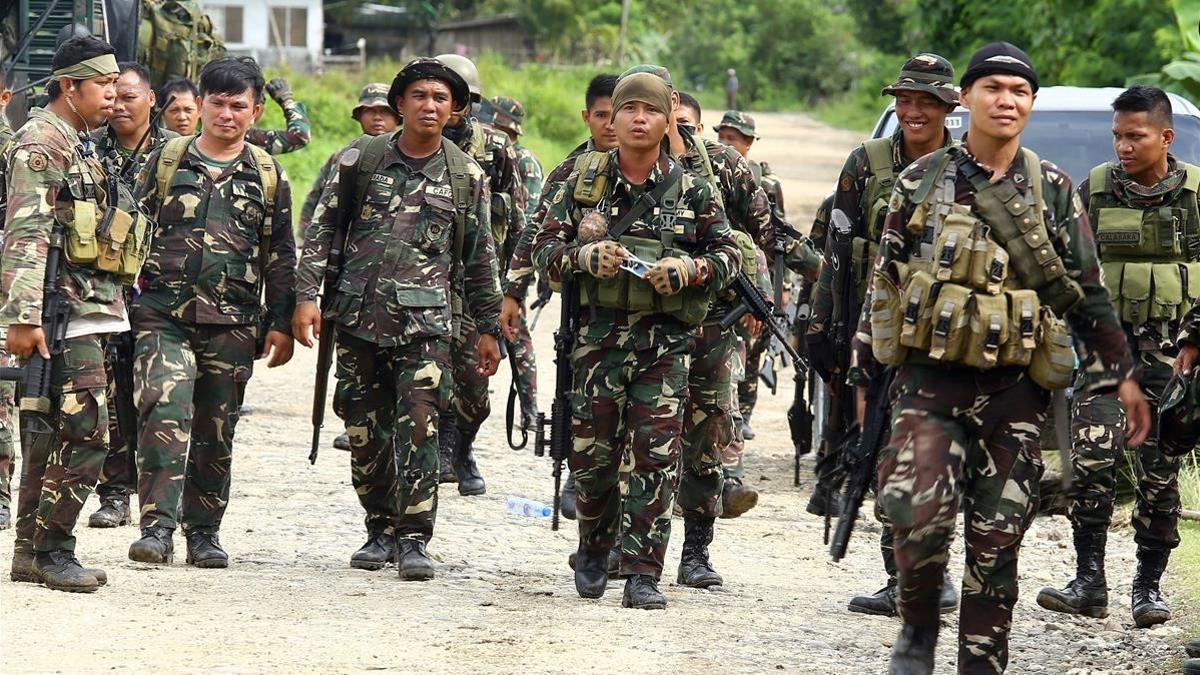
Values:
[(860, 460), (539, 303), (347, 178), (119, 354), (755, 303), (559, 442)]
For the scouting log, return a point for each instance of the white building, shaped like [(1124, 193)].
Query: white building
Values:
[(272, 31)]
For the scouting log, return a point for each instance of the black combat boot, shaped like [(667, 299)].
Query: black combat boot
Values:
[(591, 572), (695, 570), (824, 501), (411, 561), (447, 439), (342, 441), (379, 550), (880, 603), (1147, 603), (566, 499), (1087, 593), (60, 571), (641, 592), (113, 512), (948, 602), (470, 481), (746, 429), (1191, 667), (1193, 648), (736, 498), (155, 546), (614, 561), (24, 569), (5, 517), (913, 652), (204, 548)]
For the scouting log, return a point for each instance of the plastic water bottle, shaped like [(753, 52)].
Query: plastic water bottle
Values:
[(519, 506)]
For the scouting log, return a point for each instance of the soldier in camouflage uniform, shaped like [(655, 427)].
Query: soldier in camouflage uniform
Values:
[(631, 353), (509, 116), (51, 169), (183, 115), (392, 306), (223, 239), (298, 130), (970, 393), (493, 151), (115, 142), (1144, 184), (8, 389)]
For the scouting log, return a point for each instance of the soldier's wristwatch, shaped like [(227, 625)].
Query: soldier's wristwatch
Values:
[(494, 331)]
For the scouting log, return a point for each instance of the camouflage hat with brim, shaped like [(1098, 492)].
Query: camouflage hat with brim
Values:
[(658, 71), (509, 114), (929, 73), (739, 122), (374, 95)]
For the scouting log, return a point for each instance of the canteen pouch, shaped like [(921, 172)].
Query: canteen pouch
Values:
[(887, 318), (82, 247), (112, 242), (1023, 312), (988, 322), (989, 265), (952, 248), (1167, 294), (1053, 360), (915, 310), (1136, 283), (950, 323)]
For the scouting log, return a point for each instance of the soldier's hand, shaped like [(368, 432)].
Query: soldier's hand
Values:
[(279, 90), (1186, 359), (278, 346), (860, 405), (1137, 412), (489, 355), (23, 338), (671, 275), (510, 318), (306, 323), (753, 326), (601, 259)]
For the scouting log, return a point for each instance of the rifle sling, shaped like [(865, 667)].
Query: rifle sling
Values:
[(645, 202)]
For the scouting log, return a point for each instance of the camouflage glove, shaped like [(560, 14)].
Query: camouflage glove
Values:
[(601, 259), (671, 275), (279, 90)]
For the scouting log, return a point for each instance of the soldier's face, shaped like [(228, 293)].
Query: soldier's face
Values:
[(1140, 140), (922, 116), (426, 107), (689, 117), (131, 110), (93, 98), (183, 114), (377, 120), (736, 140), (226, 117), (999, 105), (598, 118), (640, 126)]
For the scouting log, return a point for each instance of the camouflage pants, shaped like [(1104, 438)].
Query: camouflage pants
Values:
[(8, 418), (960, 437), (1098, 429), (707, 422), (628, 401), (187, 379), (747, 388), (731, 455), (59, 471), (119, 473), (390, 399), (470, 391), (526, 375)]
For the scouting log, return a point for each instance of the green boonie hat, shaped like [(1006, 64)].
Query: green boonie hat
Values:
[(659, 71), (426, 68), (509, 114), (374, 95), (739, 122), (929, 73)]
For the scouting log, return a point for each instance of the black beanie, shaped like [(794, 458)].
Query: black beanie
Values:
[(999, 58)]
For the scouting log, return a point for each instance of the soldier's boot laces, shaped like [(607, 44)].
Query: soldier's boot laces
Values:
[(113, 512), (913, 652), (737, 498), (447, 439), (470, 481), (879, 603), (641, 592), (411, 561), (155, 546), (566, 500), (5, 517), (591, 572), (1147, 603), (204, 549), (379, 550), (60, 571), (695, 570), (1087, 593), (342, 441)]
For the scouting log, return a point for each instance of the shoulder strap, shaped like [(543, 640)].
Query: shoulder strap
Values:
[(1191, 181), (933, 172), (457, 164), (1099, 179), (879, 159), (1033, 167), (168, 164), (270, 181), (372, 149), (647, 200)]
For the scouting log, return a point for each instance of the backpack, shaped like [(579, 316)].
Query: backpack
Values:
[(175, 40), (879, 185)]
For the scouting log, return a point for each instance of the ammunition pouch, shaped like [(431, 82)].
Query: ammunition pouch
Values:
[(82, 248), (862, 260), (630, 293), (887, 316), (120, 248), (748, 252), (590, 187), (1053, 359)]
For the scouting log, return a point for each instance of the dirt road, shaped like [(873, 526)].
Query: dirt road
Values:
[(503, 599)]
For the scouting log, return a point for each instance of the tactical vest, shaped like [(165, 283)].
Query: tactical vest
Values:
[(863, 250), (983, 286), (593, 186), (1150, 257), (501, 206), (102, 235)]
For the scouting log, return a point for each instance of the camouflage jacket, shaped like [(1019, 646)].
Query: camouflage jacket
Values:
[(113, 154), (707, 235), (314, 193), (6, 136), (296, 135), (1093, 321), (47, 154), (530, 171), (495, 154), (395, 282), (771, 185), (205, 264)]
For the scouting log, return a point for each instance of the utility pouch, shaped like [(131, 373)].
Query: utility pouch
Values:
[(1191, 284), (112, 242), (82, 248), (1125, 233), (950, 323), (1136, 282), (135, 251), (952, 248), (887, 318), (1023, 313), (915, 303), (640, 295), (862, 261), (989, 265), (1053, 361), (1167, 296), (1111, 272), (989, 325)]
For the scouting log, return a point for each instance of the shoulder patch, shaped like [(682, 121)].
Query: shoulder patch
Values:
[(38, 161)]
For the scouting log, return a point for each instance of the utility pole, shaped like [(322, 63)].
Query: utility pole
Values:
[(619, 56)]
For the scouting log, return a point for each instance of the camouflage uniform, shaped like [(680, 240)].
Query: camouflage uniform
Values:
[(633, 370), (969, 439), (394, 326), (196, 322), (296, 134), (8, 389), (57, 476)]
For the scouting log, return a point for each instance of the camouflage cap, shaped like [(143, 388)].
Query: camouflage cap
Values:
[(659, 71), (739, 122), (425, 68), (374, 95), (509, 114), (929, 73)]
